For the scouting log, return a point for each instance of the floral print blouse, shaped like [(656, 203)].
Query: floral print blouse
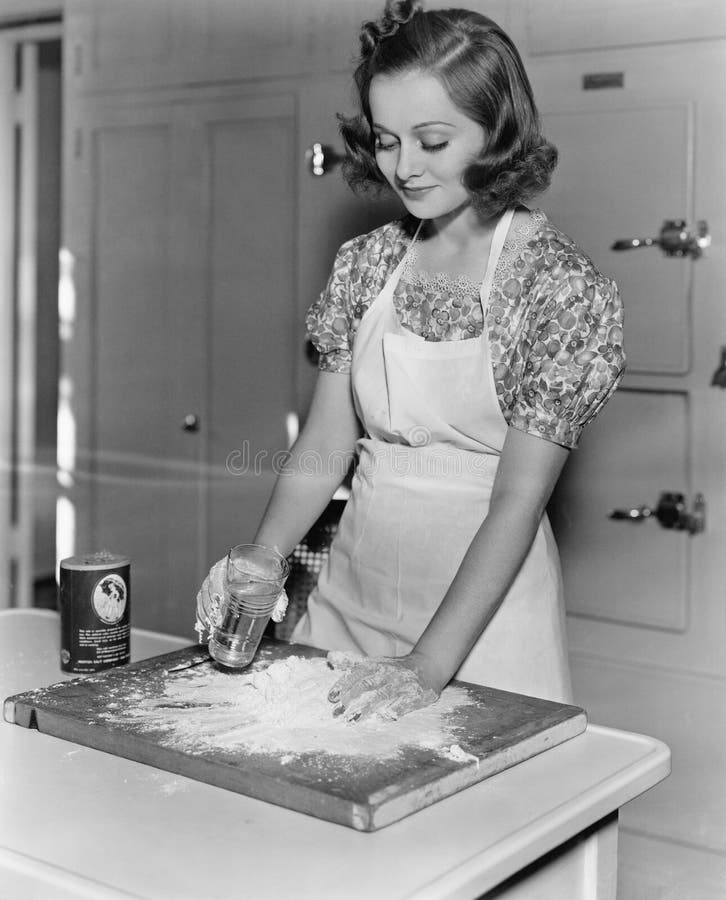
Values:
[(554, 322)]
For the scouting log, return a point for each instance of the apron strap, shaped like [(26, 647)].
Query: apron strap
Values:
[(390, 286), (495, 251)]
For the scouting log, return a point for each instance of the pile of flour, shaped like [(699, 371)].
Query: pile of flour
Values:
[(282, 709)]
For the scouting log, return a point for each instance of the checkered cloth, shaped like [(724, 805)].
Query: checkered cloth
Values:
[(306, 562)]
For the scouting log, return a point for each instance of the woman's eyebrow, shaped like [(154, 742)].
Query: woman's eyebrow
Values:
[(429, 124), (416, 127)]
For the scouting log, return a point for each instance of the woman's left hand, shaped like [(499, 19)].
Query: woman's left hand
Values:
[(383, 687)]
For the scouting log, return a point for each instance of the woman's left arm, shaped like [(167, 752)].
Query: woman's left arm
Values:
[(528, 471), (573, 306)]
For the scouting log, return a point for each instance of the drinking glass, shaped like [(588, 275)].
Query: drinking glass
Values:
[(255, 577)]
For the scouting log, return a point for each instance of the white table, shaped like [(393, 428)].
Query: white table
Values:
[(78, 823)]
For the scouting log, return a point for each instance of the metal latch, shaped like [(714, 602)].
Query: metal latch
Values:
[(671, 512), (674, 239), (321, 158)]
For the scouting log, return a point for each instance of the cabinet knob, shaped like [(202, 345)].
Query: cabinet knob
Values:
[(190, 422)]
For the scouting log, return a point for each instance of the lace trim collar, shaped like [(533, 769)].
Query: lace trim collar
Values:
[(462, 286)]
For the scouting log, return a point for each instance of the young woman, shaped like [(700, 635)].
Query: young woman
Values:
[(462, 350)]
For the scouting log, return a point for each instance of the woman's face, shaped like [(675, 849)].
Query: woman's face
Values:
[(423, 142)]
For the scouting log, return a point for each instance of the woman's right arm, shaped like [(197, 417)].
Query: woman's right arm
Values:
[(318, 462)]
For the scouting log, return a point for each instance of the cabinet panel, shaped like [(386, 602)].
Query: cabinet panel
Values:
[(140, 45), (602, 192), (251, 266), (568, 25), (649, 585), (250, 239), (115, 45), (144, 481), (133, 308), (131, 31)]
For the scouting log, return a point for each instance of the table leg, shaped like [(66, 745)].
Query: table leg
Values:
[(583, 868), (601, 860)]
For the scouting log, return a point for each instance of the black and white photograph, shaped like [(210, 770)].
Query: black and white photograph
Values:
[(362, 469)]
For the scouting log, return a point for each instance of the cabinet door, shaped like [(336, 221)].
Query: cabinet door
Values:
[(645, 602), (248, 257), (180, 209), (129, 470)]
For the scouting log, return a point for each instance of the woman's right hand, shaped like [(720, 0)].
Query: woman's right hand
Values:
[(212, 595), (214, 583)]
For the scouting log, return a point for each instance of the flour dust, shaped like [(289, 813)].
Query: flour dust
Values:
[(284, 710)]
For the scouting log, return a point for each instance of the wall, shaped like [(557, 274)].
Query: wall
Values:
[(12, 11)]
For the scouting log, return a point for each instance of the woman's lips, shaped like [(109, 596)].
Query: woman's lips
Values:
[(417, 191)]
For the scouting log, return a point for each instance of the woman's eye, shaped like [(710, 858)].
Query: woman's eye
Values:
[(427, 148), (434, 148)]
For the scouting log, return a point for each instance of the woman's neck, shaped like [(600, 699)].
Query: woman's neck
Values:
[(457, 242), (460, 228)]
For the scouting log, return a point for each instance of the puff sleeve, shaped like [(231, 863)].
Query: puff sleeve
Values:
[(329, 319), (573, 356)]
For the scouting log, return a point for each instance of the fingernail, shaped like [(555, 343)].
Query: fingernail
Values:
[(338, 711), (333, 696)]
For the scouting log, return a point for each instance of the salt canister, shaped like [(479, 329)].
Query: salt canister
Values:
[(94, 598)]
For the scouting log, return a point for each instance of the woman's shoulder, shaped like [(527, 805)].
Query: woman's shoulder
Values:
[(561, 257), (386, 239), (543, 268), (359, 272)]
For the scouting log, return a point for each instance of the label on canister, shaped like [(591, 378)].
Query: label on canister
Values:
[(94, 601)]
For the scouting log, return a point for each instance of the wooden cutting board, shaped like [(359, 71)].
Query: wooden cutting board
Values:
[(490, 732)]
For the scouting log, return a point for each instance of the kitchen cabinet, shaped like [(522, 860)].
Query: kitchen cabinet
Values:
[(79, 823), (645, 602), (181, 357)]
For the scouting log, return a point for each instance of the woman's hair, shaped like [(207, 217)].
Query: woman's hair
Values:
[(482, 72)]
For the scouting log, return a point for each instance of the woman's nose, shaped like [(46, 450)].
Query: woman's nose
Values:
[(409, 163)]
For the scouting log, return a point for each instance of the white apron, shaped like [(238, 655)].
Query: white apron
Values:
[(434, 432)]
